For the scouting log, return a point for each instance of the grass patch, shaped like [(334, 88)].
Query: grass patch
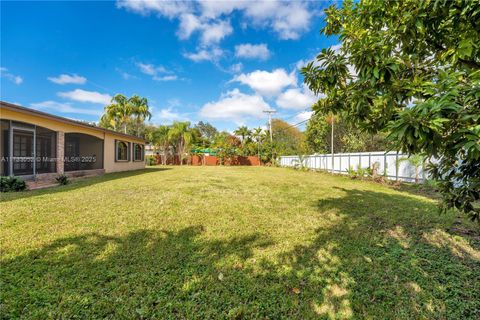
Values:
[(233, 242)]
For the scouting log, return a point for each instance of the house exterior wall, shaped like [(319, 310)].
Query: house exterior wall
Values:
[(109, 163)]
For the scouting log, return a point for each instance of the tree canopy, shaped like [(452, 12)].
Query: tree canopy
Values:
[(287, 139), (126, 114), (411, 68), (347, 137)]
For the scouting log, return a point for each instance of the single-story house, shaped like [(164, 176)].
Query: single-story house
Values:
[(36, 145)]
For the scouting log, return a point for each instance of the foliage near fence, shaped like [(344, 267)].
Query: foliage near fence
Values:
[(392, 165)]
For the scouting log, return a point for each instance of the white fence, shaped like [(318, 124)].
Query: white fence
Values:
[(390, 166)]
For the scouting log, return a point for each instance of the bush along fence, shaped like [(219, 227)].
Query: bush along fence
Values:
[(391, 165)]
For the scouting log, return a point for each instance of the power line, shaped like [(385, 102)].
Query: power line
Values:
[(300, 112), (297, 124)]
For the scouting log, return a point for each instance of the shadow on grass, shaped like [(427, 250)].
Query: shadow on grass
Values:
[(78, 183), (379, 256)]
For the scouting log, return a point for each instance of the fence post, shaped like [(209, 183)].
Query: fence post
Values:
[(340, 158), (385, 165), (369, 159), (360, 160), (396, 166), (333, 163), (349, 161), (424, 176)]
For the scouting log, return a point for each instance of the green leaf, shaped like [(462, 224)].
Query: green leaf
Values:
[(465, 48)]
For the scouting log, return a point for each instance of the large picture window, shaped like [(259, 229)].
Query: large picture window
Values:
[(121, 151), (137, 152)]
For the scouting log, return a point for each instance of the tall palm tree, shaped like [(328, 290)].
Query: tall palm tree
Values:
[(161, 139), (258, 135), (181, 135), (140, 110), (243, 132), (118, 112)]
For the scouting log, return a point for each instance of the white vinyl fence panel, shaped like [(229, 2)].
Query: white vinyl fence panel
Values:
[(388, 161)]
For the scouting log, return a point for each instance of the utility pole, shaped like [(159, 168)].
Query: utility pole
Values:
[(270, 112)]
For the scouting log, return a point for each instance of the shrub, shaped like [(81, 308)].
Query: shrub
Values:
[(352, 173), (151, 161), (12, 184), (361, 172), (62, 180)]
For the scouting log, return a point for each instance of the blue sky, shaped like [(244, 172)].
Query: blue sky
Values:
[(222, 62)]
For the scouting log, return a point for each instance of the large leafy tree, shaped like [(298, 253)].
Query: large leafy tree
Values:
[(227, 145), (287, 139), (346, 138), (412, 67), (207, 131)]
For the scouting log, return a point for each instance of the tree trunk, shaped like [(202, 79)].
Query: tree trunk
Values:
[(180, 152)]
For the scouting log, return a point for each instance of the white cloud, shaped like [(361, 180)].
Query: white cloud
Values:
[(302, 116), (336, 47), (210, 18), (125, 75), (291, 21), (235, 106), (252, 51), (150, 69), (169, 9), (158, 73), (296, 98), (236, 68), (170, 113), (267, 83), (215, 32), (211, 32), (64, 108), (11, 77), (165, 78), (68, 79), (204, 55), (189, 23), (86, 96)]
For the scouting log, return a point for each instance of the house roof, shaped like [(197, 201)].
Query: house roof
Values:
[(21, 109)]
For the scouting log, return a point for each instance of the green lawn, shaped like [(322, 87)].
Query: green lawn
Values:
[(233, 242)]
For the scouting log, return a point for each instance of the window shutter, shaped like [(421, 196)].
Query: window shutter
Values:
[(115, 149)]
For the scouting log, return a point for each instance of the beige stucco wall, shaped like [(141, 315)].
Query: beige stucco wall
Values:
[(109, 153), (109, 138)]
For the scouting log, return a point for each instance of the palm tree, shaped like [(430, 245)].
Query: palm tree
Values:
[(161, 138), (118, 112), (181, 135), (140, 110), (417, 161), (258, 135), (122, 111), (243, 132)]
